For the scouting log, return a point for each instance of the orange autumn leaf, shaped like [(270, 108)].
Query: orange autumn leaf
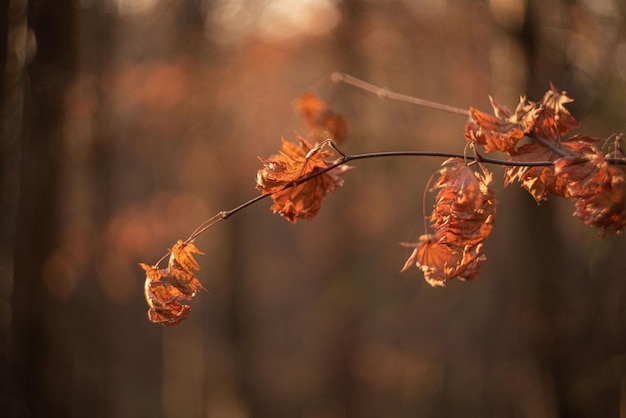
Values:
[(441, 262), (549, 119), (169, 291), (182, 255), (181, 266), (167, 304), (553, 119), (322, 122), (171, 316), (538, 181), (597, 187), (462, 218), (294, 163), (472, 231), (465, 204), (502, 131), (304, 201)]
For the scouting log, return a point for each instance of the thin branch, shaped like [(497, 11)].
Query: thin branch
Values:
[(448, 155), (388, 94), (204, 226), (383, 92), (228, 213), (217, 218), (345, 158), (223, 215)]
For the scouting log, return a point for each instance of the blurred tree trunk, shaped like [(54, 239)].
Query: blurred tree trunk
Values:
[(540, 249), (345, 384), (40, 361), (7, 219), (4, 35), (557, 278)]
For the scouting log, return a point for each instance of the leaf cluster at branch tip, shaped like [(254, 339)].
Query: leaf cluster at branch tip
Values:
[(169, 291)]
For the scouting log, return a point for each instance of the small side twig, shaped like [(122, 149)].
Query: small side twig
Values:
[(388, 94)]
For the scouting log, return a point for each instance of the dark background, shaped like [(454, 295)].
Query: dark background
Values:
[(127, 123)]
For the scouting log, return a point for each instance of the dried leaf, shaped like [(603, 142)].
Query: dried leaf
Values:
[(501, 132), (539, 181), (289, 165), (182, 254), (170, 316), (464, 211), (441, 262), (597, 187), (294, 163), (169, 291), (462, 218), (181, 266), (548, 119), (553, 119), (168, 305), (322, 122)]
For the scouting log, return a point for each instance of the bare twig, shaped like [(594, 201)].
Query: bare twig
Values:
[(388, 94)]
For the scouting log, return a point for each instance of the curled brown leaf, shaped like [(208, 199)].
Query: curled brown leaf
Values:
[(597, 187), (168, 305), (502, 131), (462, 218), (169, 291), (181, 266), (538, 181), (553, 119), (294, 163), (441, 262), (548, 119)]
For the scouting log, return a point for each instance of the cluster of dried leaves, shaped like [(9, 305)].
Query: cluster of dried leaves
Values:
[(169, 291), (462, 219), (300, 176), (575, 168), (579, 170)]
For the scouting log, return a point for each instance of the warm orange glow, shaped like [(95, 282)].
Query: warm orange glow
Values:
[(271, 20)]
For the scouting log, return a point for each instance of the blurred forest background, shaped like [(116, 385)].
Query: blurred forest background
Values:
[(126, 123)]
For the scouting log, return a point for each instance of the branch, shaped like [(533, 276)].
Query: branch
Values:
[(225, 214), (384, 93), (453, 249), (345, 158)]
